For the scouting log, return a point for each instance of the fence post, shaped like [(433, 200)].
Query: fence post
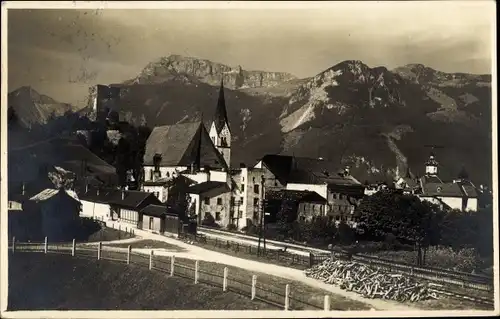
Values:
[(45, 247), (287, 296), (129, 250), (224, 281), (99, 247), (13, 244), (327, 303), (172, 264), (254, 286), (73, 248), (311, 259), (196, 268), (151, 259)]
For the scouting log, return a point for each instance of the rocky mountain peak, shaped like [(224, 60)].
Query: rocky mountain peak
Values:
[(194, 69)]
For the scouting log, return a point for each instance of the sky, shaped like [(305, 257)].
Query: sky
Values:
[(62, 52)]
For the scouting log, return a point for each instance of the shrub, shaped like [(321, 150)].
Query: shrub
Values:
[(231, 227), (209, 221)]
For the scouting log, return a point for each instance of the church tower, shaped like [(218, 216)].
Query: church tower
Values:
[(431, 166), (220, 132)]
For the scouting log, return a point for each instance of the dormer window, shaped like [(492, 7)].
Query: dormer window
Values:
[(439, 189)]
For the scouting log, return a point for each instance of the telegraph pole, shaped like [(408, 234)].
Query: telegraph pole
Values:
[(262, 236)]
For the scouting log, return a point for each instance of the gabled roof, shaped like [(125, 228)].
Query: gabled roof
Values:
[(154, 210), (182, 145), (433, 186), (295, 195), (291, 169), (132, 199), (207, 186), (220, 116), (51, 192)]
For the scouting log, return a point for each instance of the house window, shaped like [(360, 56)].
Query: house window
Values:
[(276, 183), (217, 216), (150, 222), (253, 179), (337, 218), (241, 200), (240, 214), (302, 218), (255, 202), (207, 200), (256, 188), (233, 200), (242, 187), (168, 174), (10, 204), (219, 201), (151, 176), (314, 207)]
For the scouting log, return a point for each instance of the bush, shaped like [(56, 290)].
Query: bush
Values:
[(250, 228), (209, 221), (465, 260), (231, 227)]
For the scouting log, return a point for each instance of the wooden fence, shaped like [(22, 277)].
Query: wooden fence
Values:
[(280, 297)]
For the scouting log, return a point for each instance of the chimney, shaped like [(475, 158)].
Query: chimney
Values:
[(86, 187), (347, 171), (123, 194), (192, 168), (97, 192), (23, 189), (242, 165)]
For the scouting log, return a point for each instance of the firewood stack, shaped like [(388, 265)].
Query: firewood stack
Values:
[(370, 282)]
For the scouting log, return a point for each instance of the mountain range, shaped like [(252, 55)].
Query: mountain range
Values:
[(383, 123)]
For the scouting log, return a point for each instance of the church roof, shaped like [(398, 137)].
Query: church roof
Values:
[(450, 189), (220, 117), (182, 145)]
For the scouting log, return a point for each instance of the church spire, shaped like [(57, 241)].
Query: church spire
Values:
[(220, 117)]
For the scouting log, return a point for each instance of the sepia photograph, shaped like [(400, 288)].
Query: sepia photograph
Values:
[(243, 159)]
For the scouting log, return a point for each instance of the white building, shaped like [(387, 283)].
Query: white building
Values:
[(459, 194)]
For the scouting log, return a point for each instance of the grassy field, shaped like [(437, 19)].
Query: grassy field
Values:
[(108, 234), (60, 282)]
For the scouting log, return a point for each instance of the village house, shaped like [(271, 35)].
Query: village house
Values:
[(303, 205), (125, 206), (160, 219), (211, 199), (458, 194), (95, 202), (58, 211), (340, 190)]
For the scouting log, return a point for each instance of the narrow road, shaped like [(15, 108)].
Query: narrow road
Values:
[(195, 252)]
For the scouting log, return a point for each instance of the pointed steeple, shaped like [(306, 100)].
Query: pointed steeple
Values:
[(220, 118)]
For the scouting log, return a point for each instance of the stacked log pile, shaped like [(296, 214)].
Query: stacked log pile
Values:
[(370, 282)]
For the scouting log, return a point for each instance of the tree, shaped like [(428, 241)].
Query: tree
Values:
[(406, 217), (285, 219), (345, 234), (178, 197)]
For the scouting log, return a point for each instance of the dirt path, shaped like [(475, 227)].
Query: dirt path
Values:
[(194, 252)]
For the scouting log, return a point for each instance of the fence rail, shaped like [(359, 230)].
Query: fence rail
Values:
[(280, 297), (433, 274)]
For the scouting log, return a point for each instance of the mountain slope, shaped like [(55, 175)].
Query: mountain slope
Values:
[(378, 121), (30, 107)]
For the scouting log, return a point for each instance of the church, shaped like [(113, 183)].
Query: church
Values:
[(202, 157), (459, 194)]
